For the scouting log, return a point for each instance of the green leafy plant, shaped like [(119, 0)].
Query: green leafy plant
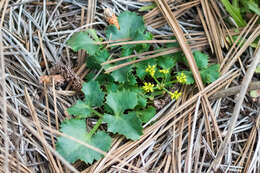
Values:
[(73, 151), (231, 40), (238, 7), (131, 26), (209, 73), (122, 100)]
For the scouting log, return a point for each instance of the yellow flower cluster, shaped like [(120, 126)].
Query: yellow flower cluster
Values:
[(181, 78), (151, 70), (148, 87), (175, 95), (165, 71)]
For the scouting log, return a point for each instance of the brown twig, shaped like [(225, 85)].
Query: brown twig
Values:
[(4, 91), (173, 50), (43, 54), (237, 49), (40, 131), (234, 90), (244, 86), (37, 134)]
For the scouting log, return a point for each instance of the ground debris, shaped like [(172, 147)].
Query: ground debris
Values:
[(62, 74), (47, 79)]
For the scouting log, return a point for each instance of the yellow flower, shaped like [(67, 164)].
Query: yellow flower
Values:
[(175, 95), (151, 70), (165, 71), (148, 87), (181, 78)]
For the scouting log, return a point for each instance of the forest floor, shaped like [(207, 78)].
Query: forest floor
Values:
[(212, 127)]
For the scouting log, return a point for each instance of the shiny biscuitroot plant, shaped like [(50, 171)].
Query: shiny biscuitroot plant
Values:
[(122, 101)]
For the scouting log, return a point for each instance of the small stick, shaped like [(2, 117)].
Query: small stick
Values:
[(244, 86), (43, 54), (234, 90), (4, 89)]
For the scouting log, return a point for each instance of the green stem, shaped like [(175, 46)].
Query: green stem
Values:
[(175, 81), (166, 90), (94, 129), (235, 3), (166, 77), (143, 95), (171, 82), (156, 81), (95, 112), (157, 93)]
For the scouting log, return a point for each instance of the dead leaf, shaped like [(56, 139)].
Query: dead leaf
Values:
[(111, 17), (47, 79)]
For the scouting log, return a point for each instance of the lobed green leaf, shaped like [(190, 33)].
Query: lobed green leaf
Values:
[(130, 23), (146, 114), (167, 61), (80, 109), (81, 40), (121, 74), (72, 150), (201, 59), (94, 96), (121, 100), (128, 125), (210, 74)]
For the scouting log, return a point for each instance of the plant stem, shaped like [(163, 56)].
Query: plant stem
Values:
[(157, 93), (94, 129), (171, 82), (156, 81), (145, 96), (166, 90), (95, 112), (235, 3)]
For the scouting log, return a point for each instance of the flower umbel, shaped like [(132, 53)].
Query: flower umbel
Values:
[(175, 95), (164, 71), (181, 78), (151, 70), (148, 87)]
